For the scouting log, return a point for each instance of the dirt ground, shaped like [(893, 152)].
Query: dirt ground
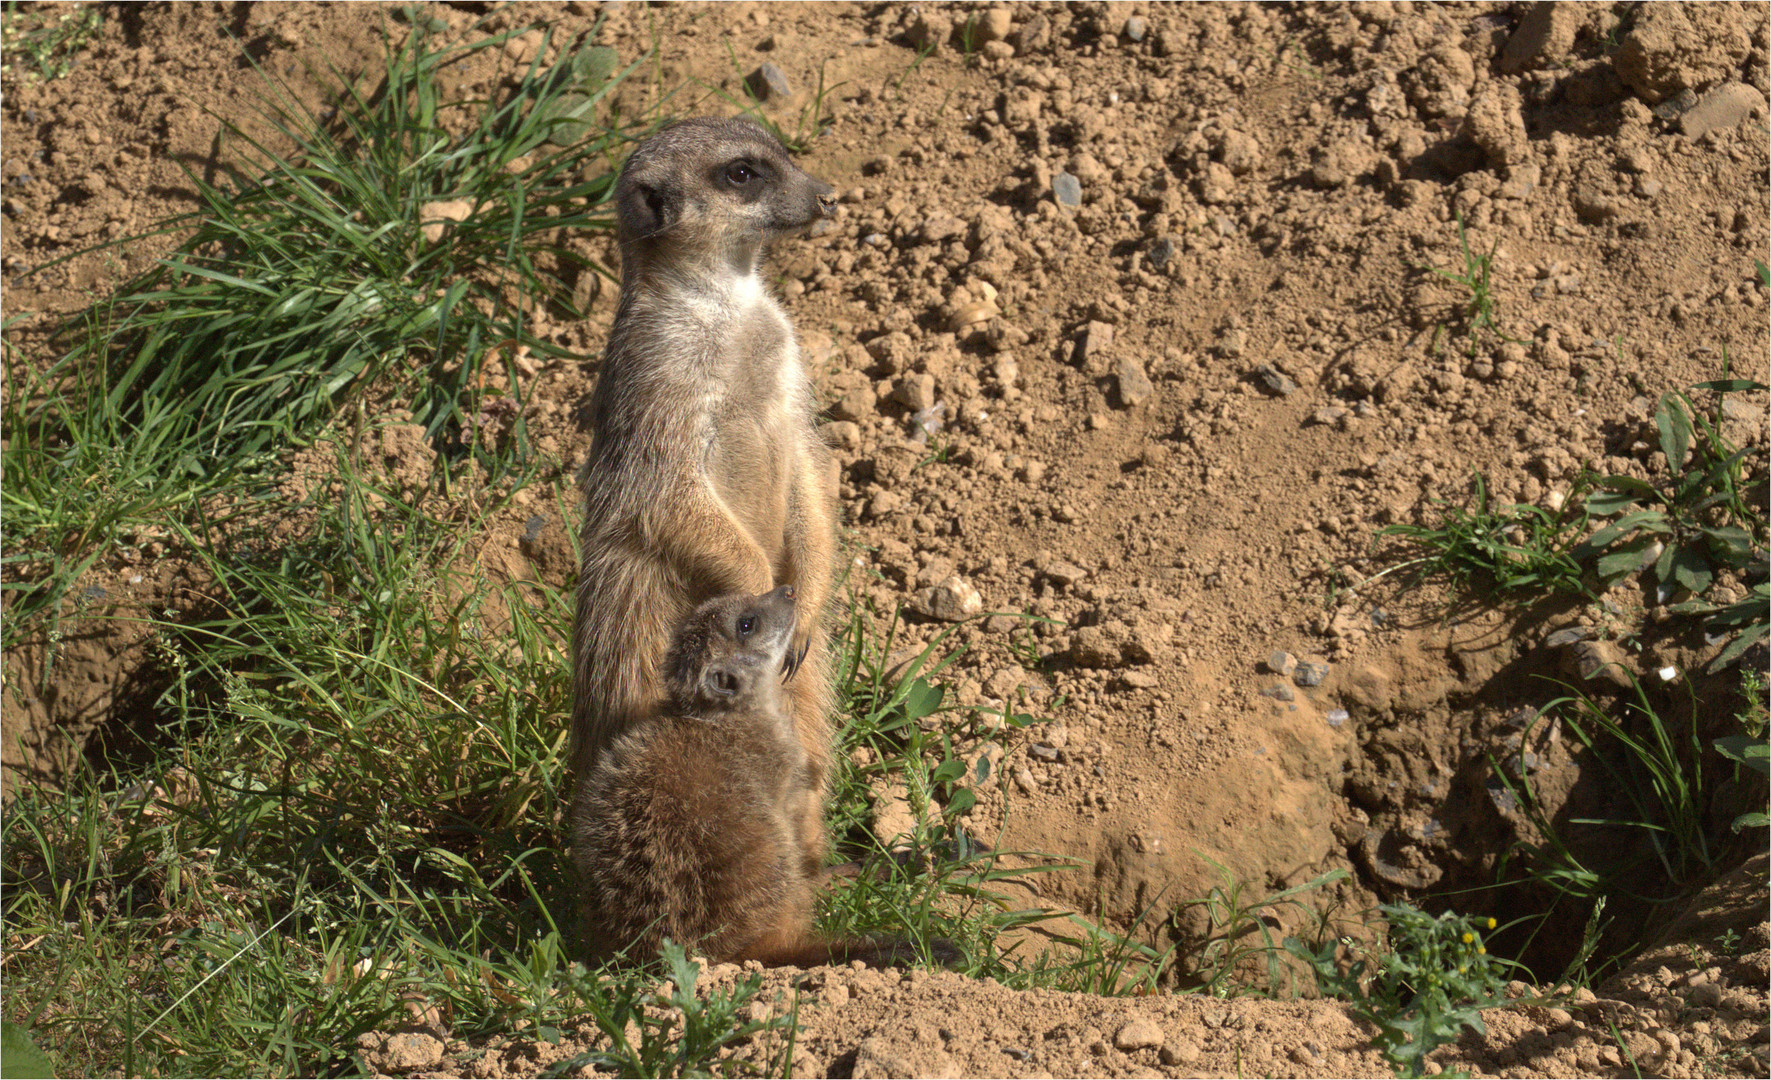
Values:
[(1159, 278)]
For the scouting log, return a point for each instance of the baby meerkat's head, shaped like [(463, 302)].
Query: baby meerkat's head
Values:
[(730, 653), (708, 189)]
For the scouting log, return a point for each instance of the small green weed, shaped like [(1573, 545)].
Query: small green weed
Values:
[(680, 1033), (900, 738), (1239, 928), (1698, 520), (1518, 548), (922, 54), (1752, 747), (1695, 522), (1431, 984), (45, 43), (1477, 280)]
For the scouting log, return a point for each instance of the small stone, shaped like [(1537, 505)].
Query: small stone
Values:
[(769, 83), (1543, 37), (1024, 780), (1595, 659), (1139, 1034), (1682, 102), (931, 31), (1310, 671), (1337, 717), (1280, 662), (835, 994), (1161, 253), (1090, 647), (941, 226), (1279, 692), (434, 217), (995, 25), (1521, 765), (1043, 752), (1066, 189), (915, 391), (1594, 206), (952, 600), (1179, 1052), (1136, 29), (1722, 108), (1275, 381), (857, 404), (1134, 386), (1567, 636), (1063, 574), (884, 504), (1092, 345)]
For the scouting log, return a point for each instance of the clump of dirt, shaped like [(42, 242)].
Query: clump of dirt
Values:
[(1128, 323)]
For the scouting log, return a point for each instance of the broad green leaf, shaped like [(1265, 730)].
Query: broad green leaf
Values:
[(1609, 502), (19, 1056), (1755, 753), (948, 771), (1626, 483), (1689, 567), (1735, 541), (1675, 430), (1609, 534), (1624, 559), (921, 699)]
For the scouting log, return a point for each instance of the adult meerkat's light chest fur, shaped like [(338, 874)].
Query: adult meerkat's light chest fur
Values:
[(706, 474)]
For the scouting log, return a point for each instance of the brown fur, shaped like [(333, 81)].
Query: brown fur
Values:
[(687, 826), (706, 474)]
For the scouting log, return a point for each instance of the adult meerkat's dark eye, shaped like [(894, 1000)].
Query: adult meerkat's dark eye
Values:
[(746, 625), (739, 173)]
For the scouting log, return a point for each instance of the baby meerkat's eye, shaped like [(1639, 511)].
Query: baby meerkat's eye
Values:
[(746, 625), (739, 173)]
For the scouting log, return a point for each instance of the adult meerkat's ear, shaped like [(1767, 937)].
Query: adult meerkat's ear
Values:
[(648, 209)]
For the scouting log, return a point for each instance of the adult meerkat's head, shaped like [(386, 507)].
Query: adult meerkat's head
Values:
[(711, 190), (731, 651)]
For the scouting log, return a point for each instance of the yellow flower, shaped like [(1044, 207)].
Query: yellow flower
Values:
[(1468, 937)]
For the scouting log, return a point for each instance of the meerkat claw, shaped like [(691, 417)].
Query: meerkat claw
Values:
[(790, 663)]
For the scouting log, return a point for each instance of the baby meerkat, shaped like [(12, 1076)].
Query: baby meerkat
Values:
[(687, 825), (706, 473)]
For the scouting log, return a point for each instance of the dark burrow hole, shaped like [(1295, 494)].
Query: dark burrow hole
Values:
[(1505, 805)]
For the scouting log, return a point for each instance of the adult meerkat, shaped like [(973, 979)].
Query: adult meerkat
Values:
[(687, 826), (706, 474)]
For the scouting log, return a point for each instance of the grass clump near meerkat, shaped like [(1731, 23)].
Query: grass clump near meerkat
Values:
[(393, 248), (307, 281)]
